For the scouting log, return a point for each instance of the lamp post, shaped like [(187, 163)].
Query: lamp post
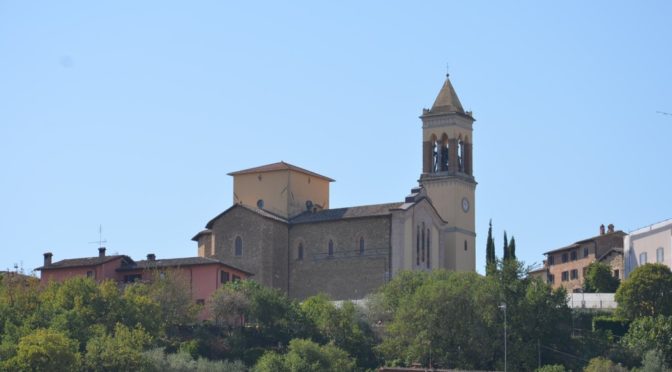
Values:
[(503, 307)]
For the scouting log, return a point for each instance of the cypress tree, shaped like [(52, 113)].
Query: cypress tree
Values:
[(506, 247), (512, 248), (490, 257)]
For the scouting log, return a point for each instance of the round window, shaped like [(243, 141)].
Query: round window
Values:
[(260, 203)]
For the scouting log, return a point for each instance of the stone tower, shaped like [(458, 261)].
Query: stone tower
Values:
[(447, 172)]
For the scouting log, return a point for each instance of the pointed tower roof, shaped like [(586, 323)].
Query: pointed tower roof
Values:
[(447, 100)]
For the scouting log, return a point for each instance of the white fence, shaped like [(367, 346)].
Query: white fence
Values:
[(591, 301)]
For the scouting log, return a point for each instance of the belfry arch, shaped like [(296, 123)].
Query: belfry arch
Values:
[(448, 155)]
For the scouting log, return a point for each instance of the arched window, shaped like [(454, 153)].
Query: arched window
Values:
[(423, 242), (445, 156), (330, 250), (238, 251), (361, 245), (460, 156), (429, 250), (417, 246), (299, 252), (436, 152), (465, 245)]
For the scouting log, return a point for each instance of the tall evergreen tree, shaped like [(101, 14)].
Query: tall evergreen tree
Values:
[(490, 258), (506, 247), (512, 248)]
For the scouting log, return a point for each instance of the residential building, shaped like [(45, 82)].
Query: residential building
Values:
[(650, 244), (203, 274), (566, 267), (282, 228)]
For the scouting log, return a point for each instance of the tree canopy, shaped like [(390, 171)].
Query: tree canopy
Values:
[(646, 292), (599, 279)]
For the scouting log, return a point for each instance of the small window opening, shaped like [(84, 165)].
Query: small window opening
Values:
[(465, 245), (299, 253), (238, 246), (223, 277), (330, 249), (260, 203), (361, 246)]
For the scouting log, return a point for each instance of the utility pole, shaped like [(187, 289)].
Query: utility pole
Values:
[(539, 352), (503, 306)]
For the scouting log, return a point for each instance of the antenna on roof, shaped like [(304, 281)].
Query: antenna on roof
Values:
[(100, 237)]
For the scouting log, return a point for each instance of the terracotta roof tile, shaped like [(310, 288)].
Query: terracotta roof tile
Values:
[(176, 262), (280, 166), (82, 262), (345, 213)]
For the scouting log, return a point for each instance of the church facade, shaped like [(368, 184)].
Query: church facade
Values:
[(281, 228)]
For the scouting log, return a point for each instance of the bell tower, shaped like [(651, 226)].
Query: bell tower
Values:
[(448, 174)]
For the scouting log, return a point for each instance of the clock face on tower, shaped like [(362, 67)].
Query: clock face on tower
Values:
[(465, 205)]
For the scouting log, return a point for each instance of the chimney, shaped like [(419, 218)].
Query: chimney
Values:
[(610, 228), (101, 252), (151, 257), (602, 229), (47, 258)]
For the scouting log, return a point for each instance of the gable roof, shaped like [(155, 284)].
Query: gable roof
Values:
[(618, 251), (83, 262), (375, 210), (258, 211), (280, 166), (177, 262)]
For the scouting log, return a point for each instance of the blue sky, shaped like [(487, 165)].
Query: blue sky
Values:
[(129, 114)]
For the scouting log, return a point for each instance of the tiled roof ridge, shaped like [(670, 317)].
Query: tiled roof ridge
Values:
[(281, 165), (178, 262), (81, 261), (573, 245)]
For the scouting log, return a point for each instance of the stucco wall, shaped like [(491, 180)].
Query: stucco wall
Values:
[(100, 272), (649, 240)]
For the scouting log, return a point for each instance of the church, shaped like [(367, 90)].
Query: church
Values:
[(281, 228)]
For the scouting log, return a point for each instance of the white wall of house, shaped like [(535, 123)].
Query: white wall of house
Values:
[(650, 244)]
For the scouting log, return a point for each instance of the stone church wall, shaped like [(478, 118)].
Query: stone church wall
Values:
[(346, 274), (264, 245)]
